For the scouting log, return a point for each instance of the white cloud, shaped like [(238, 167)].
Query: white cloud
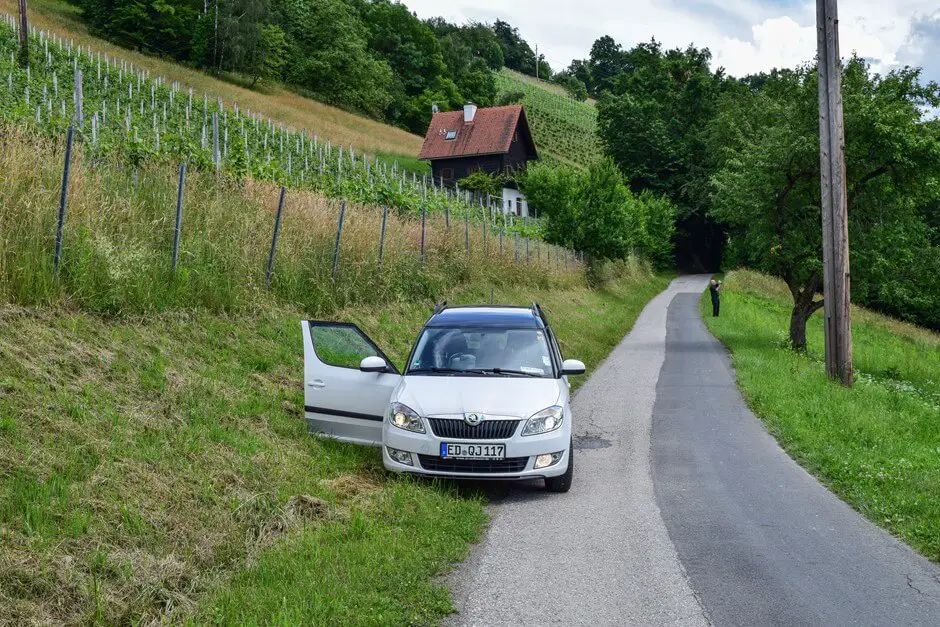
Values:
[(744, 35), (775, 42)]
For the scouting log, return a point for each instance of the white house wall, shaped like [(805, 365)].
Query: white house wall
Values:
[(514, 203)]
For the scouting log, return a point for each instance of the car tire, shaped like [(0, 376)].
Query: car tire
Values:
[(562, 483)]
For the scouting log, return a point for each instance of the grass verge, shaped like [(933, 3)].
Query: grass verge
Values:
[(876, 445), (157, 468)]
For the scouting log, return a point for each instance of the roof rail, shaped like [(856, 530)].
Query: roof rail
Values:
[(441, 306), (538, 313)]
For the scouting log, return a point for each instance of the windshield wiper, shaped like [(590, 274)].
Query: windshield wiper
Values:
[(443, 371), (509, 371)]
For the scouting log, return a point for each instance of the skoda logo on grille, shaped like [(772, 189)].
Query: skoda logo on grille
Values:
[(472, 419)]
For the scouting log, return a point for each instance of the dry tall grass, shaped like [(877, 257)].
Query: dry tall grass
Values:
[(340, 127), (119, 229)]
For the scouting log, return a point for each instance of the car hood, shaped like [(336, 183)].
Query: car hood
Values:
[(493, 396)]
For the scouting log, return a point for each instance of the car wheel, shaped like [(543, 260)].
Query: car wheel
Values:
[(562, 483)]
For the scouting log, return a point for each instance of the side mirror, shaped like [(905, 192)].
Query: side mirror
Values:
[(572, 366), (373, 364)]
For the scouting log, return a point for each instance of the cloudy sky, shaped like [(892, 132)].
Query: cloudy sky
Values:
[(744, 35)]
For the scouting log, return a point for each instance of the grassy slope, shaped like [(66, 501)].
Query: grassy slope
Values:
[(160, 466), (280, 104), (565, 130), (876, 445)]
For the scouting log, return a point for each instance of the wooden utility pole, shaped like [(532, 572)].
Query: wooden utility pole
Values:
[(835, 224), (24, 34)]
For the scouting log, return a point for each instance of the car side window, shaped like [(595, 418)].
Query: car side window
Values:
[(341, 345)]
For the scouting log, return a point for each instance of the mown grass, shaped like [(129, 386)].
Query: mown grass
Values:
[(877, 444), (283, 105), (157, 467)]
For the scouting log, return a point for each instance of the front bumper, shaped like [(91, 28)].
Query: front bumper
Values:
[(428, 446)]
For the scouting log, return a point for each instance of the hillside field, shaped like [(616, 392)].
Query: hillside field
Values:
[(283, 105), (564, 129)]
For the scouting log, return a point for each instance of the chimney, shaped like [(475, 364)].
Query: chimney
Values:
[(469, 111)]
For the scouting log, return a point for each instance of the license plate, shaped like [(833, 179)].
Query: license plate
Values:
[(473, 451)]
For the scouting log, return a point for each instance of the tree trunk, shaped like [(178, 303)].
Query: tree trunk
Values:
[(798, 320), (803, 307)]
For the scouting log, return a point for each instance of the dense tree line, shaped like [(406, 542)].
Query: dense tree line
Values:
[(740, 160), (370, 56)]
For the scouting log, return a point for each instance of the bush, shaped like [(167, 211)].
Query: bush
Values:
[(595, 212)]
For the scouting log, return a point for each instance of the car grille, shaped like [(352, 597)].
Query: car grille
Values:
[(486, 430), (442, 464)]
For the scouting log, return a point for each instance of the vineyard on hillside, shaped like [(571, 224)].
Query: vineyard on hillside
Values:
[(121, 110), (565, 130)]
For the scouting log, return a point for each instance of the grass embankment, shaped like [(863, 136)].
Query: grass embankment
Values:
[(158, 467), (877, 444), (340, 127)]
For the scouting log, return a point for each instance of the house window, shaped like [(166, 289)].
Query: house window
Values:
[(451, 135), (447, 173)]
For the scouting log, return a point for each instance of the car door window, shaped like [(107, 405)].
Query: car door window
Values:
[(343, 345)]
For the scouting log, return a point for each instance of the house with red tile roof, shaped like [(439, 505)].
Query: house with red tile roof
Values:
[(496, 140)]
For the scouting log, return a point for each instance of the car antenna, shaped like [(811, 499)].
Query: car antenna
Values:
[(441, 306)]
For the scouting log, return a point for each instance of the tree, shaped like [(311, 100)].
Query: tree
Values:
[(653, 122), (581, 70), (517, 54), (594, 211), (767, 188), (606, 63), (328, 55), (572, 85), (267, 62), (164, 27)]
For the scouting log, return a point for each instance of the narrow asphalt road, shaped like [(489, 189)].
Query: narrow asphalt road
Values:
[(683, 511), (762, 541), (600, 554)]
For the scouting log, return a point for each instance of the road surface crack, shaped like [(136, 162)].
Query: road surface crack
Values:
[(910, 584)]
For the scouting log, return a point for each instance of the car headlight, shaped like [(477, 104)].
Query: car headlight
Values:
[(546, 420), (405, 418)]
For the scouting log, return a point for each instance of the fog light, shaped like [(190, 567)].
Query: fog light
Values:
[(402, 457), (548, 459)]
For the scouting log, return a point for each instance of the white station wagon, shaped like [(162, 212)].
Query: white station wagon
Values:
[(484, 395)]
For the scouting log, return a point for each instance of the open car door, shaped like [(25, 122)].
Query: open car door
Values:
[(340, 400)]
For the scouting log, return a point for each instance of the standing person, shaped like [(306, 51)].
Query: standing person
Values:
[(714, 288)]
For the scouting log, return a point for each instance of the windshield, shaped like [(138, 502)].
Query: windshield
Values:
[(449, 351)]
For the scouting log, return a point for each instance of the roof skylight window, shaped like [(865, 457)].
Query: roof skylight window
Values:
[(451, 135)]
